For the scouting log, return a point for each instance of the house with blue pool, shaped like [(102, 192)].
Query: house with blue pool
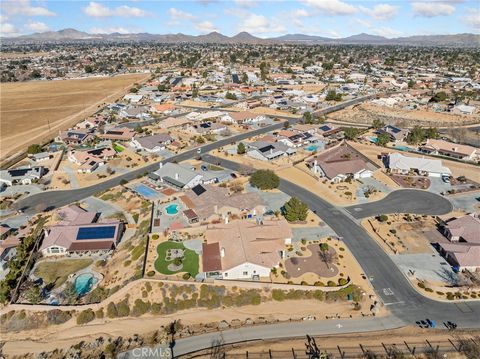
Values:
[(79, 231)]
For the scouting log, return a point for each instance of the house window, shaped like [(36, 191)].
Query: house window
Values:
[(245, 273), (54, 250), (225, 275)]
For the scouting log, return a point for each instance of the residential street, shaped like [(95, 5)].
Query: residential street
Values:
[(389, 282)]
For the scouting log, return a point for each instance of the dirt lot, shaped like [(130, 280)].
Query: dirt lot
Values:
[(367, 112), (401, 236), (27, 107)]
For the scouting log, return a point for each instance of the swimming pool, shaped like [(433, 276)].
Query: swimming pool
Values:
[(311, 148), (146, 191), (373, 139), (403, 148), (84, 283), (172, 209)]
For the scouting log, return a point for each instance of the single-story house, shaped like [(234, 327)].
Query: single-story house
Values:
[(171, 122), (207, 127), (90, 160), (327, 130), (207, 201), (133, 98), (134, 112), (462, 256), (398, 163), (243, 249), (448, 149), (396, 134), (463, 229), (79, 232), (74, 137), (152, 143), (178, 176), (118, 134), (162, 108), (242, 117), (339, 163), (294, 138), (267, 151), (21, 175), (40, 157)]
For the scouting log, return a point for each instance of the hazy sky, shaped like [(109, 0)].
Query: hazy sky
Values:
[(332, 18)]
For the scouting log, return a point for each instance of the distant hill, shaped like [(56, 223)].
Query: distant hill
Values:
[(364, 39), (72, 35)]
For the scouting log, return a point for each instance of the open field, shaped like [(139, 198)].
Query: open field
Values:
[(28, 107), (365, 113)]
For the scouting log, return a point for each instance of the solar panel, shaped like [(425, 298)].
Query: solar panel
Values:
[(19, 172), (325, 128), (96, 232), (198, 190), (266, 148)]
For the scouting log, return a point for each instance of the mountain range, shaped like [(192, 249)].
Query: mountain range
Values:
[(72, 35)]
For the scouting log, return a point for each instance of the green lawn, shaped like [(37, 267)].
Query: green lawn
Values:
[(117, 147), (190, 259), (58, 271)]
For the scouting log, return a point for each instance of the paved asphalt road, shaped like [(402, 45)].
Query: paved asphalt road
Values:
[(403, 201), (388, 281), (285, 330)]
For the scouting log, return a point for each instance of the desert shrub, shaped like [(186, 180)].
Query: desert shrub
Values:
[(227, 301), (150, 273), (156, 308), (112, 311), (57, 316), (303, 283), (137, 252), (421, 285), (186, 276), (85, 316), (318, 295), (429, 290), (319, 284), (155, 237), (127, 263), (148, 287), (278, 295), (99, 314), (331, 283), (382, 218), (140, 307), (342, 281), (123, 309)]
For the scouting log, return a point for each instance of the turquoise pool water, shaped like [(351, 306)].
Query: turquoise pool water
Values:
[(146, 191), (172, 209), (373, 139), (311, 148), (84, 283), (403, 148)]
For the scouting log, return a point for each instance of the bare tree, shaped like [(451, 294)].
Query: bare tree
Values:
[(326, 254)]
